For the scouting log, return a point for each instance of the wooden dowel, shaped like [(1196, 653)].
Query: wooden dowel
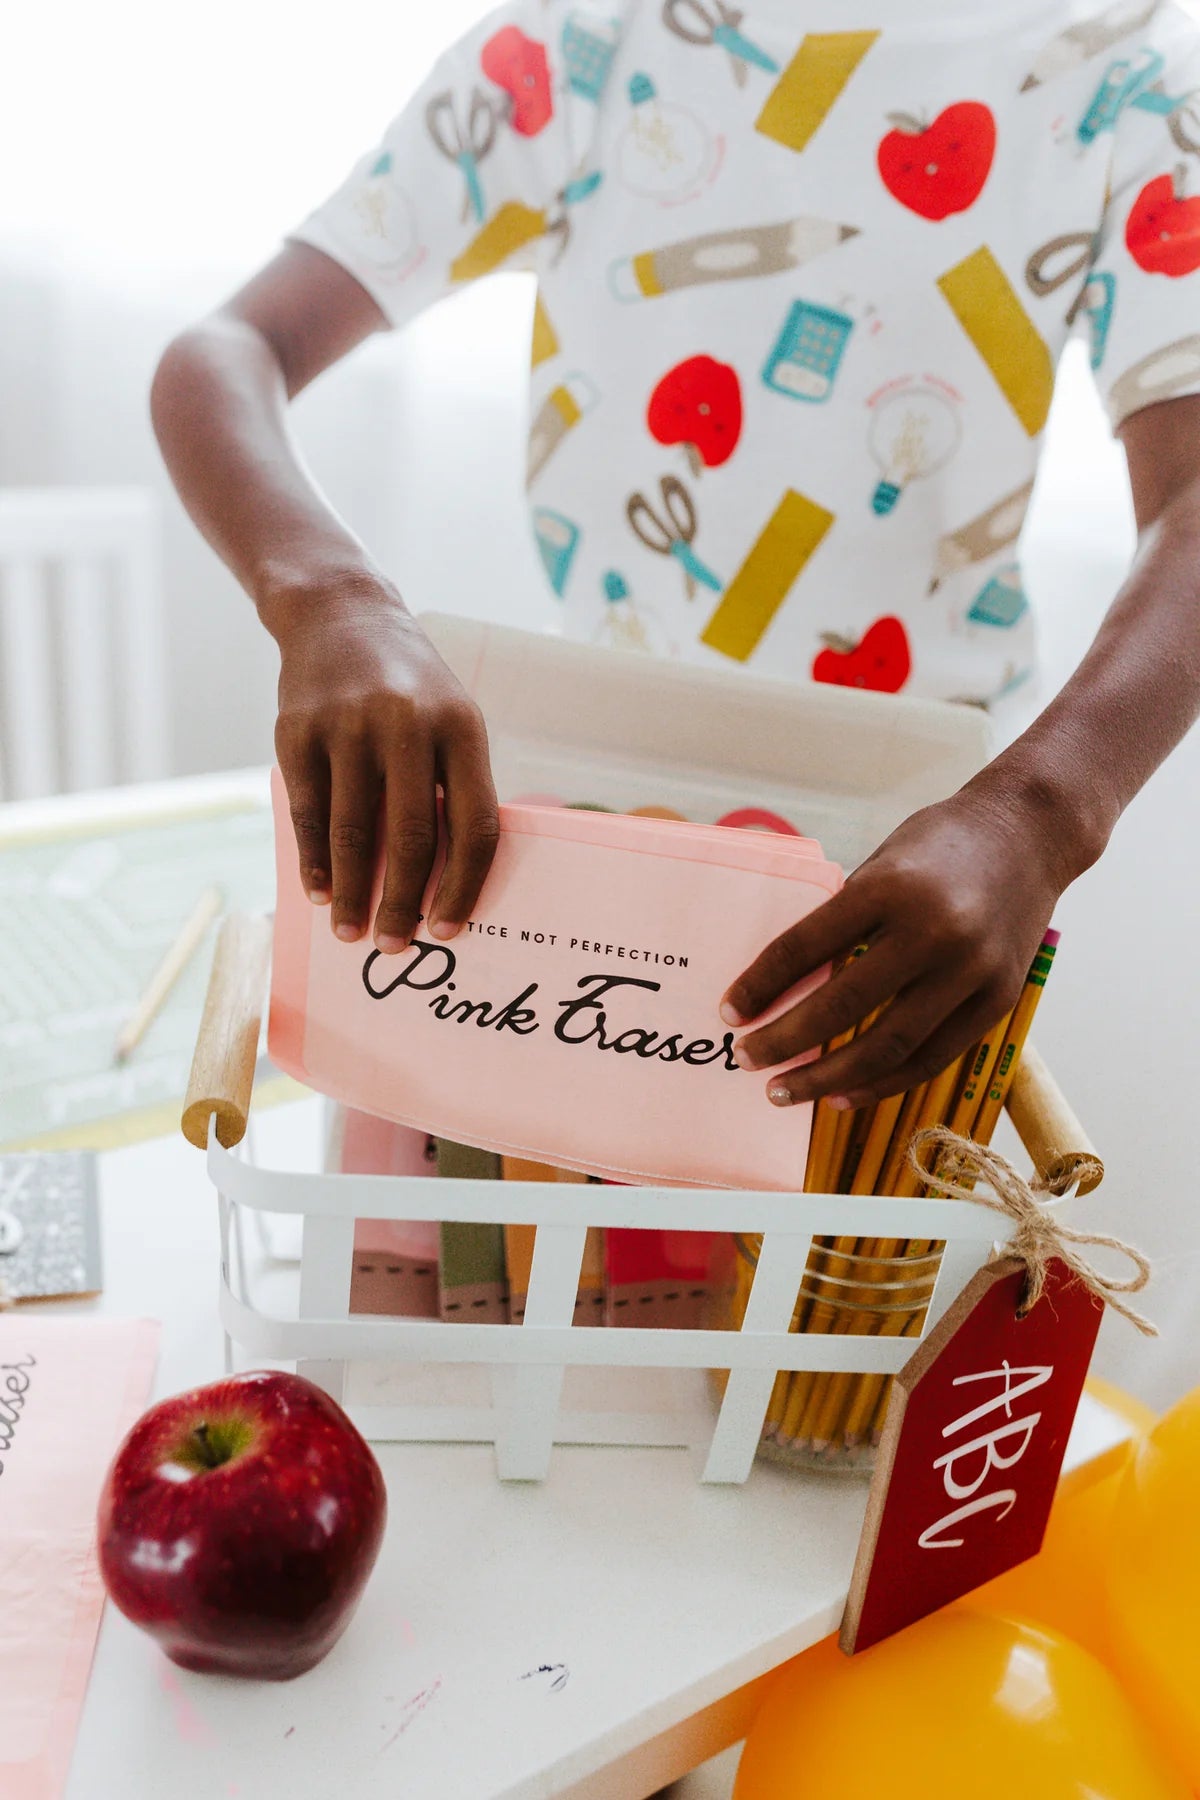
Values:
[(227, 1046), (1058, 1146)]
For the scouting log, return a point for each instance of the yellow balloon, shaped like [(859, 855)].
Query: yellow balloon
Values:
[(1152, 1573), (1061, 1587), (963, 1703)]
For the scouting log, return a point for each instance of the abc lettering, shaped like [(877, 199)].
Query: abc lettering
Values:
[(966, 1468)]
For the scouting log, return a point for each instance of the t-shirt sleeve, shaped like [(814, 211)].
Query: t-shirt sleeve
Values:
[(1142, 298), (468, 178)]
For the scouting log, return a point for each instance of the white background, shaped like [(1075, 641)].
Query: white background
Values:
[(151, 155)]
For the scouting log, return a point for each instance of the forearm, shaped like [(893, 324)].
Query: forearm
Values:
[(219, 405), (1129, 703)]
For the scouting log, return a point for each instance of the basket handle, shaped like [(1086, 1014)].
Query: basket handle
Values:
[(1059, 1147), (227, 1044)]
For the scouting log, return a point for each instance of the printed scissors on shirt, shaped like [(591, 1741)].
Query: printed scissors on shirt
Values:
[(672, 535), (558, 217), (466, 145), (697, 23)]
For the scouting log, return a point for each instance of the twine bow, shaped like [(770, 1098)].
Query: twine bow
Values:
[(951, 1165)]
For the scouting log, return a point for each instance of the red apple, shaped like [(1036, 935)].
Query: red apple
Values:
[(518, 64), (239, 1523), (939, 169), (698, 403), (881, 660), (1162, 232)]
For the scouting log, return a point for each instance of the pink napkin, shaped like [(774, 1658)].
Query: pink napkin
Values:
[(69, 1390)]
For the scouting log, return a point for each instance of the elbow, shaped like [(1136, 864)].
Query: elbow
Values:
[(206, 362), (175, 377)]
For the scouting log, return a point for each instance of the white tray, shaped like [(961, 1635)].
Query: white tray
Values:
[(623, 730)]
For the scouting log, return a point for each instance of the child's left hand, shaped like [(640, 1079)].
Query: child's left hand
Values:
[(953, 907)]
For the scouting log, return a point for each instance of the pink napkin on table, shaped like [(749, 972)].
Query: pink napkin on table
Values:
[(69, 1390)]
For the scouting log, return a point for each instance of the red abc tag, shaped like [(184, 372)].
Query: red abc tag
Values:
[(974, 1442)]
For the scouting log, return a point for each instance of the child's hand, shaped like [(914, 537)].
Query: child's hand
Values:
[(953, 907), (370, 722)]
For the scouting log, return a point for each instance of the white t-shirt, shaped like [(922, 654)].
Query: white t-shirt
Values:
[(804, 277)]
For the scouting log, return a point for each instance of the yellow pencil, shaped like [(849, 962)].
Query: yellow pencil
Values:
[(829, 1399), (860, 1131), (837, 1316), (1018, 1030), (827, 1265), (906, 1121), (855, 1130), (870, 1403), (936, 1102), (898, 1323), (843, 1132), (174, 962), (828, 1124), (870, 1163), (777, 1405), (979, 1064), (926, 1105)]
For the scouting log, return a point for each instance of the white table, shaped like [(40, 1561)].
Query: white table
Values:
[(663, 1600)]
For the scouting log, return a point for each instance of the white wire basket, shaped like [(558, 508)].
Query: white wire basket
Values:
[(623, 731), (526, 1363)]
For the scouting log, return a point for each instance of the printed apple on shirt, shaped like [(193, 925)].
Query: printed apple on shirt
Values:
[(1162, 232), (939, 167), (518, 64), (881, 660), (698, 404)]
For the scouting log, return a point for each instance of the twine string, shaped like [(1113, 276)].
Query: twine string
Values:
[(952, 1165)]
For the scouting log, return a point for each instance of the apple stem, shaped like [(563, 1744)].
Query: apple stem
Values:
[(208, 1455)]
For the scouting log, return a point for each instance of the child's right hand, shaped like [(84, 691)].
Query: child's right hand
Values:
[(371, 722)]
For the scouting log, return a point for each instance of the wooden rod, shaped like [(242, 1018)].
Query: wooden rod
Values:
[(1058, 1146), (227, 1046)]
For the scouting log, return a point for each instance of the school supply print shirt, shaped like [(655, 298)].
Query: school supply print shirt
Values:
[(805, 269)]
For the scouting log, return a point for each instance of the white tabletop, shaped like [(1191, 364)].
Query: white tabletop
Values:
[(658, 1597), (591, 1637)]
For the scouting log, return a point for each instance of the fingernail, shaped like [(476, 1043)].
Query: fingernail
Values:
[(389, 944), (730, 1014), (443, 929), (839, 1102), (348, 933), (742, 1057), (319, 896), (781, 1096)]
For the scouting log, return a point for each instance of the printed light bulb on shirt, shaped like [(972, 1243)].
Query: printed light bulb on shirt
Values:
[(665, 153), (626, 627), (386, 218), (915, 429)]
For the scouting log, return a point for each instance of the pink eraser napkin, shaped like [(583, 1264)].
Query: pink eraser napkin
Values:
[(69, 1390), (575, 1017)]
